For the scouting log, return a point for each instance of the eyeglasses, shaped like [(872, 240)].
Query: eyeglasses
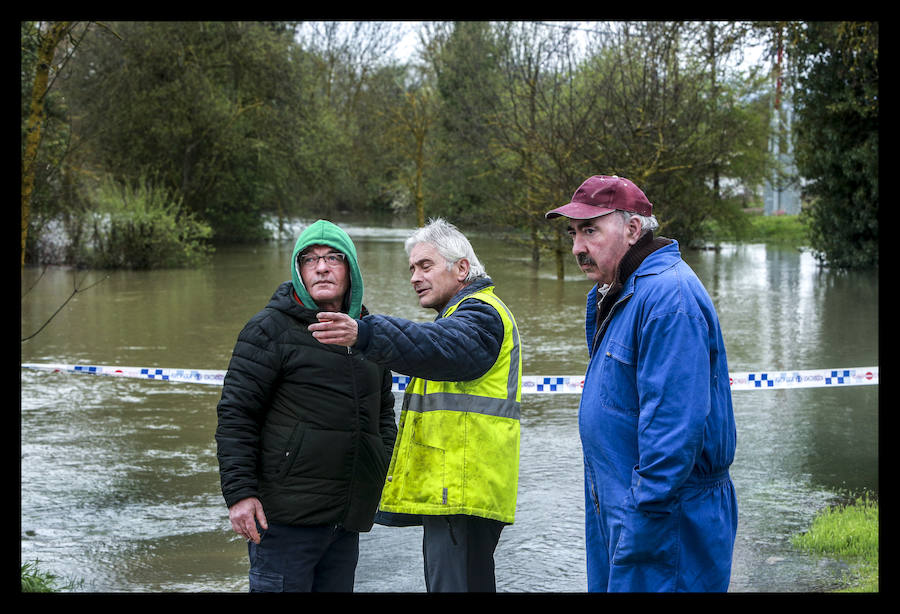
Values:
[(333, 259)]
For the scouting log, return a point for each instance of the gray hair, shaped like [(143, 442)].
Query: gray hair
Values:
[(648, 222), (450, 243)]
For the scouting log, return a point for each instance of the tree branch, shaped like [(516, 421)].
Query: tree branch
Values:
[(75, 290)]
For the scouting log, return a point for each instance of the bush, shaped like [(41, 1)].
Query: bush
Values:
[(143, 227)]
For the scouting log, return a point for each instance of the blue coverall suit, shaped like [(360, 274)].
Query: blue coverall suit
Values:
[(658, 435)]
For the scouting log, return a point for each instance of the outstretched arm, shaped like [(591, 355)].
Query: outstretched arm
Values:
[(461, 347)]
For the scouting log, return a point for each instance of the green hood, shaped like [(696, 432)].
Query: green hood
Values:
[(323, 232)]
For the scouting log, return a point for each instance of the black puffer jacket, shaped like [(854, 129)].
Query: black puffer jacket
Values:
[(305, 427)]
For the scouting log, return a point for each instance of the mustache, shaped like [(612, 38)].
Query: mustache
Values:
[(584, 259)]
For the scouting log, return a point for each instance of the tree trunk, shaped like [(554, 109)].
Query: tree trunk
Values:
[(560, 254), (419, 192), (35, 119)]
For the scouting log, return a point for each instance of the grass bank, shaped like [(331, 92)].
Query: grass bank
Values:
[(776, 229), (848, 533)]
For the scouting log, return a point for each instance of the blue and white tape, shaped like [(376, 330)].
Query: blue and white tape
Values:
[(531, 384), (197, 376)]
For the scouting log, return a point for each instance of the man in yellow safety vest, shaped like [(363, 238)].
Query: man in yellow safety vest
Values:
[(455, 465)]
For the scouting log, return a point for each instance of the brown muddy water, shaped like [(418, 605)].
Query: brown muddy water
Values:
[(119, 481)]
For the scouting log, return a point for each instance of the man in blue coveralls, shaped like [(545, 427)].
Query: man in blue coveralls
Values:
[(656, 420)]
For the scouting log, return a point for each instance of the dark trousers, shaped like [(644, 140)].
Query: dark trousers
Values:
[(303, 559), (459, 553)]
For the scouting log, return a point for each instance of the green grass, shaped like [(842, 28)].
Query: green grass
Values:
[(775, 229), (848, 533), (34, 580), (778, 229)]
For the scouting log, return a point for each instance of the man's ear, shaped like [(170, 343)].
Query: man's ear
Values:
[(633, 230), (462, 269)]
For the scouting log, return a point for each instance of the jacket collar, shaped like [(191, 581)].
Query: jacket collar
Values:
[(472, 288), (640, 259), (632, 261), (635, 256)]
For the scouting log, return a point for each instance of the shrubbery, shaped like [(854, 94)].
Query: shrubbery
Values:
[(129, 226), (142, 227)]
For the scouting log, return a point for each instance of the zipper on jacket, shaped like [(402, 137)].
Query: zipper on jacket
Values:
[(356, 404)]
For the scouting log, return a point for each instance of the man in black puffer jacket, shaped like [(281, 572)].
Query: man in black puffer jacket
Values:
[(305, 430)]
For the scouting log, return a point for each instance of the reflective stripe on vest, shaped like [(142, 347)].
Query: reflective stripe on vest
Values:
[(455, 401)]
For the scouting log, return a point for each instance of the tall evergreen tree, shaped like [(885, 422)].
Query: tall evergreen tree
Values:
[(836, 104)]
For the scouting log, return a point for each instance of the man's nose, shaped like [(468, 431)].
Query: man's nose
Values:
[(577, 245)]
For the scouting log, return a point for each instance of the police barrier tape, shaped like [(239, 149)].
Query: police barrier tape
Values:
[(535, 384)]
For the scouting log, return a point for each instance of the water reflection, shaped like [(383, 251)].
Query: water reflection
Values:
[(119, 477)]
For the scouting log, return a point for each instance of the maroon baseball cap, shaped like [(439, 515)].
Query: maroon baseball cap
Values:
[(602, 194)]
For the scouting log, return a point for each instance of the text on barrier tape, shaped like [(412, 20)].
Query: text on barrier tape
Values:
[(531, 384)]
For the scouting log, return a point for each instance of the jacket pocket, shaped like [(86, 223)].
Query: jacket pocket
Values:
[(262, 582), (618, 375), (424, 473), (648, 538), (592, 483), (292, 450)]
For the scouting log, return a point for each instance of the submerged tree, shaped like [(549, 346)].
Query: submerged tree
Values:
[(682, 119), (513, 122), (502, 121)]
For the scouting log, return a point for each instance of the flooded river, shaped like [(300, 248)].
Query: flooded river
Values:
[(119, 480)]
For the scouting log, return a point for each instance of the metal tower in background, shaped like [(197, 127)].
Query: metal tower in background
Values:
[(781, 193)]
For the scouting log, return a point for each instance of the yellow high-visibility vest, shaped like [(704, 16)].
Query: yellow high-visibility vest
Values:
[(457, 449)]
